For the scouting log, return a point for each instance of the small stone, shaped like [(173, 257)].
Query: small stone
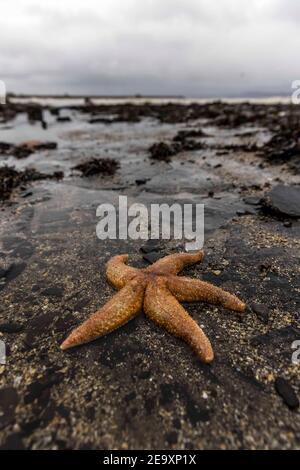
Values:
[(53, 291), (150, 245), (141, 181), (252, 200), (27, 194), (11, 327), (63, 119), (285, 390), (284, 200), (287, 224), (249, 211), (36, 388), (261, 312), (152, 257)]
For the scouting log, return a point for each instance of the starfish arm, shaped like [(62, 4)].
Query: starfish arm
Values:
[(124, 306), (175, 263), (189, 290), (162, 308), (117, 273)]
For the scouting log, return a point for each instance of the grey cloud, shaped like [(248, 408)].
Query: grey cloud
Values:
[(191, 47)]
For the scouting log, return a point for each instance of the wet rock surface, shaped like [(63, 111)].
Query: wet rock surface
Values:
[(10, 179), (140, 387), (284, 200)]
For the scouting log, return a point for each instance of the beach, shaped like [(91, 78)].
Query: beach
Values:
[(139, 387)]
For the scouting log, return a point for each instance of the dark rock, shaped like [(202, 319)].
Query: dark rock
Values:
[(13, 271), (54, 291), (8, 402), (36, 388), (11, 327), (241, 212), (58, 175), (150, 245), (141, 181), (5, 147), (287, 224), (194, 412), (252, 200), (37, 327), (63, 119), (34, 112), (100, 120), (152, 257), (27, 194), (283, 200), (185, 134), (285, 390), (261, 312)]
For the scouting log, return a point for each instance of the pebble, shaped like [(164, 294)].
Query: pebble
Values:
[(151, 245), (284, 199), (252, 200), (53, 291), (11, 327), (36, 388), (261, 312), (152, 257), (217, 272), (285, 390)]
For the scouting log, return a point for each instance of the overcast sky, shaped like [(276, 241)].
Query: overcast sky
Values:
[(189, 47)]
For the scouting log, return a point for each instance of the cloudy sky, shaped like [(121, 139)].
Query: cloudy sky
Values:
[(189, 47)]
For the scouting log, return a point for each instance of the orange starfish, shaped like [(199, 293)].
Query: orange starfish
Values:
[(158, 290)]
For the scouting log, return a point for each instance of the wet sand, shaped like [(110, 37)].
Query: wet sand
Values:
[(139, 387)]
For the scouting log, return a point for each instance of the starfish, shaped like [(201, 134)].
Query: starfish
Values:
[(158, 290)]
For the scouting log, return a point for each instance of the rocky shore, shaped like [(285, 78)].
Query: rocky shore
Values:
[(140, 387)]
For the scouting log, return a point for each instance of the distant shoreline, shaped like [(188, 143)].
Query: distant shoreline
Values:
[(78, 100)]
